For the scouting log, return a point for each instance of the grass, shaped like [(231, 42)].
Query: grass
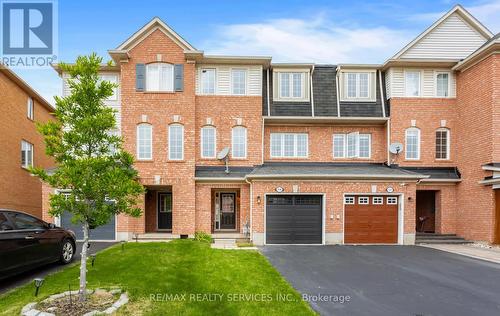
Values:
[(167, 271)]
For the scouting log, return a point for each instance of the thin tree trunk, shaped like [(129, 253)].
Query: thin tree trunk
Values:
[(83, 263)]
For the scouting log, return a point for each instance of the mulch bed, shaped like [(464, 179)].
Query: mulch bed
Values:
[(72, 307)]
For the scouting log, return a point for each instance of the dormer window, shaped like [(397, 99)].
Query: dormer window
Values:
[(358, 86), (291, 85), (160, 77)]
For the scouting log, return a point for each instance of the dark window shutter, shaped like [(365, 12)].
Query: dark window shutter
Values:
[(179, 77), (140, 77)]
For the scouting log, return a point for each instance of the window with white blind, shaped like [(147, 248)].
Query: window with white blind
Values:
[(160, 77), (443, 84), (238, 81), (30, 109), (352, 145), (26, 154), (112, 79), (208, 142), (412, 138), (357, 85), (289, 145), (208, 81), (176, 142), (144, 141), (291, 85), (239, 142), (412, 83), (443, 144)]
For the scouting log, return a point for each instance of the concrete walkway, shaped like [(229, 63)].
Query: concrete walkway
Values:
[(473, 251)]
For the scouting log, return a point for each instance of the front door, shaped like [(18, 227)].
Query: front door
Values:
[(227, 211), (425, 211), (164, 211)]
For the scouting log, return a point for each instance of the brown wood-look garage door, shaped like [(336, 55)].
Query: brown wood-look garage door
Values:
[(371, 219)]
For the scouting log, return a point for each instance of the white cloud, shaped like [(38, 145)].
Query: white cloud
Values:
[(307, 40)]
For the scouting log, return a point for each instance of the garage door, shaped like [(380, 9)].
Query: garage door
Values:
[(294, 219), (371, 219), (105, 232)]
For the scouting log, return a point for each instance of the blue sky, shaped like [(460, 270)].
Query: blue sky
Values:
[(289, 31)]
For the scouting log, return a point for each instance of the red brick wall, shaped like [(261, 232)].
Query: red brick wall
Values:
[(321, 142), (334, 199), (428, 113), (475, 106), (224, 110), (19, 190)]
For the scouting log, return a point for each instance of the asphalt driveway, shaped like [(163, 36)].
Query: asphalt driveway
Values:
[(389, 280), (40, 272)]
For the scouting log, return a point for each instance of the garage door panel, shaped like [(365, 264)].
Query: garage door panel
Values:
[(294, 219), (104, 232)]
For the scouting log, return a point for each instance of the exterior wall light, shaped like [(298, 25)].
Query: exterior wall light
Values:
[(258, 199)]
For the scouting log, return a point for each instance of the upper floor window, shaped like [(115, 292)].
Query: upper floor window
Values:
[(291, 85), (160, 77), (208, 81), (26, 154), (352, 145), (289, 145), (238, 81), (412, 143), (208, 142), (239, 142), (412, 83), (113, 79), (357, 85), (443, 143), (176, 142), (144, 141), (442, 84), (30, 109)]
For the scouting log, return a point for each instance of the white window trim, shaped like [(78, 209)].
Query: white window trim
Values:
[(349, 200), (202, 143), (363, 198), (173, 77), (372, 85), (170, 145), (306, 77), (201, 81), (231, 80), (439, 72), (246, 142), (150, 141), (448, 140), (27, 165), (418, 143), (392, 200), (419, 83), (380, 200), (369, 146), (116, 79), (30, 106), (346, 151), (282, 147)]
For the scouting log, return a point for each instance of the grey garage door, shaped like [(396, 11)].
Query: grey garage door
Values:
[(105, 232), (294, 219)]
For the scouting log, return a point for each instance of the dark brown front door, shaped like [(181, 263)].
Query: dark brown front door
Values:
[(426, 211), (228, 211), (164, 211), (371, 220)]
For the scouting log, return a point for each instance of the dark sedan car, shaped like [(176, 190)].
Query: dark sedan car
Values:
[(27, 242)]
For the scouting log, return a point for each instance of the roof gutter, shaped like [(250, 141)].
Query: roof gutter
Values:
[(430, 180), (341, 177)]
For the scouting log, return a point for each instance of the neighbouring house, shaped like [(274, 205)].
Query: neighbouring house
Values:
[(315, 154), (21, 144)]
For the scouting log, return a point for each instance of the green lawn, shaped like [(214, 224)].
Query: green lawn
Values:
[(243, 280)]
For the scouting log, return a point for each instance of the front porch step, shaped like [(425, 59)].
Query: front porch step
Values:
[(156, 237), (443, 241), (225, 241)]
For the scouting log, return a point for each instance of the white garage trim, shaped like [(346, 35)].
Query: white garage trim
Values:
[(401, 208), (323, 208)]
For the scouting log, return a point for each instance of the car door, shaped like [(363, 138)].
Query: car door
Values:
[(40, 243), (10, 257)]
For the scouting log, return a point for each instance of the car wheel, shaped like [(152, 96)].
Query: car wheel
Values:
[(67, 251)]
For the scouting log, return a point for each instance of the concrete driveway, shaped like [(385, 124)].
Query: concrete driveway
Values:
[(389, 280), (40, 272)]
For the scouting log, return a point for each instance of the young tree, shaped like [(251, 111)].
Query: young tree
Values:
[(91, 163)]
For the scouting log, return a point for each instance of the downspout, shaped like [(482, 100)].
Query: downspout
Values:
[(382, 96), (262, 143), (388, 125), (312, 94), (337, 88), (268, 97), (251, 208)]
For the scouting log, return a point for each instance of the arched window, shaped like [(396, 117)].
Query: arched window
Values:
[(176, 142), (239, 142), (144, 141), (412, 143), (208, 141), (160, 77), (443, 143)]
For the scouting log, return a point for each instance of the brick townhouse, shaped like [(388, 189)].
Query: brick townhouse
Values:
[(21, 144), (239, 146)]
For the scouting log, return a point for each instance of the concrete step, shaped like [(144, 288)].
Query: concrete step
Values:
[(433, 234), (225, 241), (438, 237), (443, 241)]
